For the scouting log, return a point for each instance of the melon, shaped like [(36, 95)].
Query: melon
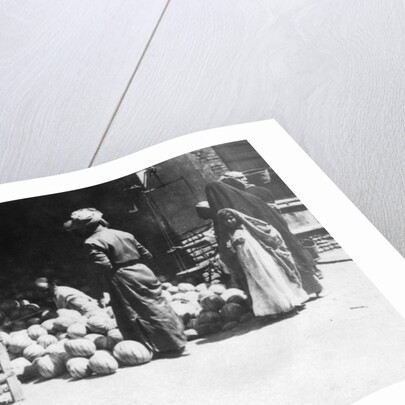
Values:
[(33, 351), (51, 365), (100, 324), (201, 287), (217, 288), (80, 347), (208, 317), (184, 287), (191, 296), (62, 336), (97, 312), (48, 325), (61, 323), (104, 343), (93, 336), (69, 313), (56, 348), (102, 362), (47, 340), (179, 297), (35, 331), (18, 343), (247, 317), (212, 303), (191, 334), (23, 368), (77, 330), (115, 334), (131, 353), (13, 356), (204, 293), (78, 367), (229, 325), (85, 305), (63, 341), (230, 292), (83, 319), (232, 312), (238, 299), (173, 289), (19, 333)]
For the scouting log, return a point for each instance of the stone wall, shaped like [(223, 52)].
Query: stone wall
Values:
[(208, 163)]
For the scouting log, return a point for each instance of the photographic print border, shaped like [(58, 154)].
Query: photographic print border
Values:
[(376, 257)]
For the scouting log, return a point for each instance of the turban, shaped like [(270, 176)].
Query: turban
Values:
[(202, 204), (204, 210), (42, 282), (235, 179), (83, 218)]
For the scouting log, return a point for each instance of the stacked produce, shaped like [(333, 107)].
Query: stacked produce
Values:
[(47, 343), (207, 309), (73, 343)]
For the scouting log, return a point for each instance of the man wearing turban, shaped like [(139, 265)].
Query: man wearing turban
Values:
[(239, 181), (142, 312)]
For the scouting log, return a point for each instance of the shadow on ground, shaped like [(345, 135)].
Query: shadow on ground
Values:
[(244, 328)]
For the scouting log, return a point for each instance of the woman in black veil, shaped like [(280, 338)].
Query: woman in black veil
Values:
[(220, 196)]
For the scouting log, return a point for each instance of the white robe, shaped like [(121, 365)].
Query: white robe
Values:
[(271, 291)]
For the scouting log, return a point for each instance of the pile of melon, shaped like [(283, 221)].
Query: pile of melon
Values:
[(73, 343), (207, 309)]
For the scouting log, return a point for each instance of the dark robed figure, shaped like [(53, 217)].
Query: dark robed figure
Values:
[(142, 313)]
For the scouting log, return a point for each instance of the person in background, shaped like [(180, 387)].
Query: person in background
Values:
[(220, 195), (66, 297), (141, 311), (240, 181)]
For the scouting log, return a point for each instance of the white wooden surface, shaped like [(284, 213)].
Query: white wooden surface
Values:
[(64, 66), (131, 74)]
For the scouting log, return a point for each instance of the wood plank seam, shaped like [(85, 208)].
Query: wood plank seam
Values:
[(129, 84)]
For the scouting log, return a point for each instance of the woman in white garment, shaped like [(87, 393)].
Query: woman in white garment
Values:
[(261, 263)]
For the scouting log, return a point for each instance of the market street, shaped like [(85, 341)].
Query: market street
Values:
[(341, 348)]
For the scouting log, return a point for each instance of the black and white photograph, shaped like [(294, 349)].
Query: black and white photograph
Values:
[(202, 279)]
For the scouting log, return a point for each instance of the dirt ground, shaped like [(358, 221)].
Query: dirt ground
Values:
[(342, 347)]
